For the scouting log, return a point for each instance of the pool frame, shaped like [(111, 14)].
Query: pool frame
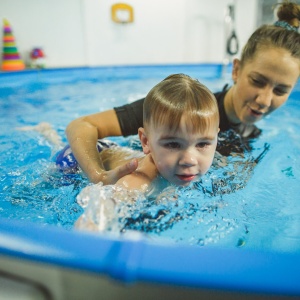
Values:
[(139, 260), (134, 261)]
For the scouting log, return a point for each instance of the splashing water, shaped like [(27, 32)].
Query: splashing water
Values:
[(199, 209), (221, 209)]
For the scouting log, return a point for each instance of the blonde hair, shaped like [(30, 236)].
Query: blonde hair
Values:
[(179, 95), (276, 36)]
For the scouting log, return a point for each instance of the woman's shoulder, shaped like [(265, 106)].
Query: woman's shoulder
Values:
[(130, 117), (221, 94)]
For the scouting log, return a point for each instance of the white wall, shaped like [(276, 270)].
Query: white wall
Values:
[(81, 32)]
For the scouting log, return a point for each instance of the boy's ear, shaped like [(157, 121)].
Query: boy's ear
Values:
[(235, 69), (144, 140)]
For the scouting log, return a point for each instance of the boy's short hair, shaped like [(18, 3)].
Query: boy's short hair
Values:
[(179, 95)]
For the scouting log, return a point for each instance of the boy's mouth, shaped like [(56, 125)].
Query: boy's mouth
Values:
[(189, 177)]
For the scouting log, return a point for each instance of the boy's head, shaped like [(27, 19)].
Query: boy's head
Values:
[(181, 124), (179, 95)]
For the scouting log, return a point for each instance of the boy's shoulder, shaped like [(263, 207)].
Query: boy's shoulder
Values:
[(142, 177)]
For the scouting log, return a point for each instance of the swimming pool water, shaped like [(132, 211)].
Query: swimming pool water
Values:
[(241, 204)]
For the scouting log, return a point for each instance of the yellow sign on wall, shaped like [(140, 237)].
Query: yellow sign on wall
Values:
[(122, 13)]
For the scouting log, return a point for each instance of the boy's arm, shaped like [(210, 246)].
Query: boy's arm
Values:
[(83, 134), (142, 177), (135, 180)]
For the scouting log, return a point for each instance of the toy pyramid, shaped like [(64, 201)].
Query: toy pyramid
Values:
[(11, 60)]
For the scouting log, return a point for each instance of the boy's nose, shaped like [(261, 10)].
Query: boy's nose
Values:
[(188, 158)]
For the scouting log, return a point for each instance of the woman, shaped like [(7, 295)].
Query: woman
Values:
[(263, 79)]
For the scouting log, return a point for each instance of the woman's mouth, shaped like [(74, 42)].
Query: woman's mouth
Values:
[(255, 112)]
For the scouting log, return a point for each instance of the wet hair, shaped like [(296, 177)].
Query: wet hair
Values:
[(179, 96), (283, 34)]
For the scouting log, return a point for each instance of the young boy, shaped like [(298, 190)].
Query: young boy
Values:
[(179, 137)]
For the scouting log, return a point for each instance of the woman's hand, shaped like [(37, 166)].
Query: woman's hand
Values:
[(83, 134), (112, 176)]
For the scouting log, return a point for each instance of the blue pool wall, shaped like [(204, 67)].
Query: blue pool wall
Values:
[(133, 260)]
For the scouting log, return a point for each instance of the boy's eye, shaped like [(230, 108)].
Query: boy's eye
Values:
[(172, 145), (203, 144)]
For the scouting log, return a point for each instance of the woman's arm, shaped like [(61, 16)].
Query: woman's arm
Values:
[(83, 134)]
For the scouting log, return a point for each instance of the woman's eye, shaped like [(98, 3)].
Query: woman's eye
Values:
[(280, 92), (257, 82), (172, 145)]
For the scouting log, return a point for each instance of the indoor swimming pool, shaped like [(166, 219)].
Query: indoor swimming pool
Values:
[(237, 230)]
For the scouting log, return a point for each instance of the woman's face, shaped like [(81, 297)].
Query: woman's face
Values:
[(262, 84)]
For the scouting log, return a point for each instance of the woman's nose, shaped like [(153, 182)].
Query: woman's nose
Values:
[(188, 158), (264, 99)]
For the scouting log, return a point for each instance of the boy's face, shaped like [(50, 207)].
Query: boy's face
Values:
[(180, 157)]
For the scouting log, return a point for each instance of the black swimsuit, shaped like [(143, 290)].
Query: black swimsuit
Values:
[(130, 117)]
